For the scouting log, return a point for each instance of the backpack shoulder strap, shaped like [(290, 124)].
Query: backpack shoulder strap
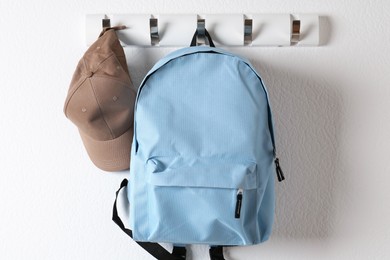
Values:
[(216, 253), (154, 249)]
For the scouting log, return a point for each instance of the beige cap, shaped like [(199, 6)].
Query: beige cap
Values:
[(100, 103)]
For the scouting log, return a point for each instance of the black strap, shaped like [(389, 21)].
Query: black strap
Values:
[(180, 252), (193, 42), (216, 253), (154, 249)]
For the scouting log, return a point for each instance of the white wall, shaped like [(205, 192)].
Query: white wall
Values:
[(331, 105)]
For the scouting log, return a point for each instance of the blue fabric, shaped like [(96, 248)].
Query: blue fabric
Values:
[(202, 133)]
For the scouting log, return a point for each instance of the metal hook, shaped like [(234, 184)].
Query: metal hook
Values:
[(154, 37), (248, 25), (106, 23), (296, 31), (201, 29)]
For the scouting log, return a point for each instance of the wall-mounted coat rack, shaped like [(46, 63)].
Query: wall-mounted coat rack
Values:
[(226, 29)]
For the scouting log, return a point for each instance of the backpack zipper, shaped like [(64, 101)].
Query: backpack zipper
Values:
[(279, 172), (238, 203)]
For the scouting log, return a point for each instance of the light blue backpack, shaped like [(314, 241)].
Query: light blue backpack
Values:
[(203, 155)]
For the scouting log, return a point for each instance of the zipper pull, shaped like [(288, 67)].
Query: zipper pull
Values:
[(279, 171), (238, 203)]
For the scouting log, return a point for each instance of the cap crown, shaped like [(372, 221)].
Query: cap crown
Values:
[(101, 96)]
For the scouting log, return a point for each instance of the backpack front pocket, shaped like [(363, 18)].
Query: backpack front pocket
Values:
[(203, 200)]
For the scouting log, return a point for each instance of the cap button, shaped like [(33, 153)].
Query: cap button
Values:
[(89, 74)]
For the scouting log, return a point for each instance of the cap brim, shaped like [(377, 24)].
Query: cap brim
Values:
[(111, 155)]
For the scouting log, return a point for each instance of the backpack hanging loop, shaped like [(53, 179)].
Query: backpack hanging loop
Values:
[(201, 34)]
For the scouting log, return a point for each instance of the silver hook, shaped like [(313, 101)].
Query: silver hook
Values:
[(248, 24), (296, 31), (154, 37), (201, 29)]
